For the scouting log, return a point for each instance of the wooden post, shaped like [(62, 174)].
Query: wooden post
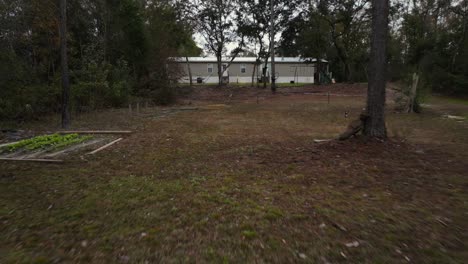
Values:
[(138, 107), (96, 132), (130, 108), (328, 95), (32, 160)]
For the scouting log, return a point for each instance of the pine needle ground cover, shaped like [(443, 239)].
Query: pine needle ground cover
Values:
[(247, 184)]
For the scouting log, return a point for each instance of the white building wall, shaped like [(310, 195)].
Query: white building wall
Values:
[(285, 71), (240, 79), (298, 79)]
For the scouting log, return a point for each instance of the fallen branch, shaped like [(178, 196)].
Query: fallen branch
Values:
[(322, 140), (354, 127), (184, 109), (459, 118), (104, 147), (96, 132), (32, 160)]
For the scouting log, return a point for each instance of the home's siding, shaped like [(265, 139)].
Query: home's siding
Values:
[(297, 72), (201, 69), (286, 72)]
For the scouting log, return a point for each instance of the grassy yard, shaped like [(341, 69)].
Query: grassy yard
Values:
[(243, 181)]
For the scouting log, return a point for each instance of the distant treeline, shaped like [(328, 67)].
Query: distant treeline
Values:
[(117, 49), (427, 37)]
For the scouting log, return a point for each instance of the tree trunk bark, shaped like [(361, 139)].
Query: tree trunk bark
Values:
[(374, 125), (189, 70), (264, 73), (253, 73), (272, 47), (344, 59), (64, 62), (412, 95), (349, 73), (460, 44), (220, 70)]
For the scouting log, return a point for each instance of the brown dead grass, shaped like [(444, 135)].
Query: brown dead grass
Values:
[(244, 182)]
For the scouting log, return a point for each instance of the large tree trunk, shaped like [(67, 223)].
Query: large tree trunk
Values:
[(64, 62), (374, 126)]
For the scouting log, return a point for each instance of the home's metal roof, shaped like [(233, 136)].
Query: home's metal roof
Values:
[(246, 59)]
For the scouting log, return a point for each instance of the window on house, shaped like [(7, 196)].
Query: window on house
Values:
[(243, 69), (210, 68)]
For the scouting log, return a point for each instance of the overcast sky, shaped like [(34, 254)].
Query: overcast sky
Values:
[(231, 46)]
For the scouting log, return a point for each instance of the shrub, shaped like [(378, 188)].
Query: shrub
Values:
[(100, 85), (22, 95)]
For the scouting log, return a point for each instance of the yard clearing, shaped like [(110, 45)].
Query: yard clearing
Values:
[(240, 181)]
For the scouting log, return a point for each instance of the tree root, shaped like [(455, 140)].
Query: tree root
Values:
[(354, 127)]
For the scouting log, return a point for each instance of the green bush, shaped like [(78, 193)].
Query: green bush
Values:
[(22, 95), (101, 85), (121, 83)]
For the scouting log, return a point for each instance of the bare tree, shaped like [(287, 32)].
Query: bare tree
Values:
[(217, 26), (374, 125), (259, 24), (272, 44), (64, 64), (255, 23)]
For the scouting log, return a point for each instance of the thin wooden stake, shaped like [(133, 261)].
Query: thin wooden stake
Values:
[(104, 147), (130, 108), (32, 160), (8, 144), (96, 132)]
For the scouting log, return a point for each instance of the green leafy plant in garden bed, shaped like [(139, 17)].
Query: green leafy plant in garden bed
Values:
[(54, 141)]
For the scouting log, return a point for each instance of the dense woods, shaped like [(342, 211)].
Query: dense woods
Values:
[(427, 37), (119, 49), (116, 49)]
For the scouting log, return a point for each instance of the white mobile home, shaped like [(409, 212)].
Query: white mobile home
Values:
[(241, 70)]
